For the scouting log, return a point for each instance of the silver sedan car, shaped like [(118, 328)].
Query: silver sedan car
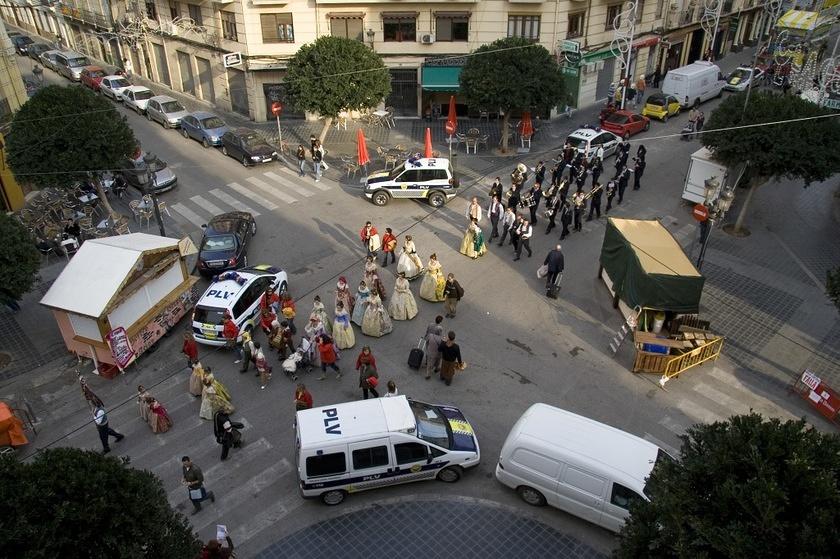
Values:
[(165, 110)]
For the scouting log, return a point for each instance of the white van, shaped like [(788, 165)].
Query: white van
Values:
[(576, 464), (367, 444), (694, 84), (432, 179), (70, 64)]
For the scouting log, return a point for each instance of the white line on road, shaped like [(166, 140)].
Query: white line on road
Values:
[(233, 202), (289, 183), (293, 175), (191, 216), (726, 400), (267, 204), (265, 187), (266, 518), (697, 412), (206, 204), (674, 427)]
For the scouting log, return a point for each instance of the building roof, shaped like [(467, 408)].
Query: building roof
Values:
[(98, 271), (345, 421)]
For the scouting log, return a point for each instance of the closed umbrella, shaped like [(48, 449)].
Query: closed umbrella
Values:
[(361, 149), (428, 153), (451, 122), (526, 127)]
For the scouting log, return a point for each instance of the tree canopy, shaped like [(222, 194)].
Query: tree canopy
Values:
[(747, 488), (19, 259), (334, 74), (511, 73), (74, 503)]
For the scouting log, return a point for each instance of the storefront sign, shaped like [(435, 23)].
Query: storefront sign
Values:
[(232, 59), (120, 347), (163, 322), (445, 61), (810, 380), (570, 46)]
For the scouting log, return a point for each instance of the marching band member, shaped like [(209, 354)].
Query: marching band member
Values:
[(611, 186), (579, 202), (595, 204)]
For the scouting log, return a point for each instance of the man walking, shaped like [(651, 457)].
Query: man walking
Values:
[(555, 262), (389, 245), (450, 356), (565, 218), (623, 179), (434, 336), (366, 234), (317, 159), (474, 210), (611, 186), (508, 221), (534, 197), (452, 293), (495, 213), (100, 418), (638, 171), (523, 235), (194, 480), (514, 232), (595, 201)]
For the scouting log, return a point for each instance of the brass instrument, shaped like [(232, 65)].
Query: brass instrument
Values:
[(611, 188), (578, 201), (592, 192)]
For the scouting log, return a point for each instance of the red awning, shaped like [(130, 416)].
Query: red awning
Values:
[(646, 42)]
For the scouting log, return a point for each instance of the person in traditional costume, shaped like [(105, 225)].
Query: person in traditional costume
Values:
[(376, 322), (143, 398), (321, 312), (431, 289), (409, 263), (214, 397), (372, 278), (473, 244), (158, 418), (343, 295), (402, 305), (362, 296), (197, 380), (343, 334)]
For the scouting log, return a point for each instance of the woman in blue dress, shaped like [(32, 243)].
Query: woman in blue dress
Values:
[(360, 307)]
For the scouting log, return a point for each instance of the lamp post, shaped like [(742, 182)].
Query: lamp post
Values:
[(624, 29), (717, 203), (149, 188)]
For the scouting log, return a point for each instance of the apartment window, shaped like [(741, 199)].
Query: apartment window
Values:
[(575, 25), (195, 13), (151, 10), (640, 9), (174, 10), (399, 29), (348, 27), (613, 17), (660, 7), (229, 26), (527, 27), (277, 28), (452, 26)]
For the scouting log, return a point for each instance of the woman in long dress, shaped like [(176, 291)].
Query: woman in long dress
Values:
[(197, 380), (402, 305), (362, 296), (431, 289), (343, 295), (214, 398), (473, 244), (376, 323), (321, 312), (343, 334), (143, 398), (158, 418), (409, 263), (372, 278)]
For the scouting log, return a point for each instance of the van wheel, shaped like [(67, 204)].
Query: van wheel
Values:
[(531, 496), (437, 200), (380, 199), (334, 497), (450, 474)]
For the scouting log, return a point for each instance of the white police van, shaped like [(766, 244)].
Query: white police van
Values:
[(354, 446), (432, 179), (587, 140), (239, 293)]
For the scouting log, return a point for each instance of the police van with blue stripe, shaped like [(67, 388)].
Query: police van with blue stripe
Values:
[(355, 446)]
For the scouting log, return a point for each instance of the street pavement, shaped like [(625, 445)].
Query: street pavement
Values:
[(762, 292)]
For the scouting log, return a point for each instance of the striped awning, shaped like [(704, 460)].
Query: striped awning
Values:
[(799, 20)]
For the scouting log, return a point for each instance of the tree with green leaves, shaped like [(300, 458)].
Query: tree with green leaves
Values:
[(19, 259), (747, 488), (336, 74), (63, 135), (511, 73), (69, 502), (832, 286), (804, 149)]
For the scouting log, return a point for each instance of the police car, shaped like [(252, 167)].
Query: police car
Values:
[(432, 179), (367, 444), (588, 139), (239, 293)]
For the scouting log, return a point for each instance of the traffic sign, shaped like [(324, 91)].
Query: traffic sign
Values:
[(572, 57), (700, 212), (276, 108), (232, 59)]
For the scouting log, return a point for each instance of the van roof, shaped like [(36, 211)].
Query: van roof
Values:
[(354, 420), (231, 286), (694, 68), (629, 458)]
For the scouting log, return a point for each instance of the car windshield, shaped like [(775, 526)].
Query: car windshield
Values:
[(576, 142), (76, 62), (397, 170), (219, 242), (617, 118), (657, 100), (172, 107), (119, 83), (155, 165), (432, 426), (142, 95), (212, 122), (662, 457), (25, 41), (740, 74), (252, 140), (208, 315)]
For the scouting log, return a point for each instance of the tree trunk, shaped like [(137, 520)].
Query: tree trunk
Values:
[(103, 199), (327, 123), (505, 134), (739, 223)]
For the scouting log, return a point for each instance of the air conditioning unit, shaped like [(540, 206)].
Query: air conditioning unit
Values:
[(427, 39)]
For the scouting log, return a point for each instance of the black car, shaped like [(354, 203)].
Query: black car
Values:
[(36, 49), (22, 44), (247, 146), (224, 245), (134, 173)]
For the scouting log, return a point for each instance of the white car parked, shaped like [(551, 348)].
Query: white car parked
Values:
[(113, 87), (136, 97)]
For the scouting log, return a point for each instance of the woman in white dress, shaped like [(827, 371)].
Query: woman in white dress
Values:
[(376, 323), (362, 296), (409, 263), (214, 397), (473, 244), (402, 305), (343, 334), (321, 312), (434, 281)]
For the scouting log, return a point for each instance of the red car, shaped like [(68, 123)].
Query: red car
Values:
[(625, 123), (92, 76)]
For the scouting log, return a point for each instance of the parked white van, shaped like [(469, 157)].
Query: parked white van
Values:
[(576, 464), (70, 64), (694, 84), (354, 446)]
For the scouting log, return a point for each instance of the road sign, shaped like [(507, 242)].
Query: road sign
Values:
[(232, 59), (569, 46), (700, 212), (450, 127), (276, 108)]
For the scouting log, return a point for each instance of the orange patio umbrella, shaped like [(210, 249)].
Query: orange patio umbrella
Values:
[(428, 153), (451, 118), (361, 149), (526, 127)]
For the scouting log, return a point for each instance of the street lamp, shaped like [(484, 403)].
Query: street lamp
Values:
[(149, 188), (717, 202)]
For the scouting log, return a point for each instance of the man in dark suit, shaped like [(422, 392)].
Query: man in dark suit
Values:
[(623, 179), (555, 262)]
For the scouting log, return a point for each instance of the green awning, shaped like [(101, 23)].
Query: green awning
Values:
[(441, 78), (595, 56)]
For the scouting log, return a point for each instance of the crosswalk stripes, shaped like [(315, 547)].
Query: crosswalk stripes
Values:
[(267, 517), (289, 184), (267, 189), (673, 426), (268, 204), (233, 202), (190, 215), (697, 412), (206, 204), (734, 405), (318, 185)]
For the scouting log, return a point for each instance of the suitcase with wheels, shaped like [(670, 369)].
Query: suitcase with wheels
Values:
[(554, 288), (415, 357)]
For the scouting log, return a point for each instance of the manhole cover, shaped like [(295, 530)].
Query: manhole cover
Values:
[(5, 359)]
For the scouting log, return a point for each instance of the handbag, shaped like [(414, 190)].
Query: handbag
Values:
[(197, 494), (542, 271), (373, 382)]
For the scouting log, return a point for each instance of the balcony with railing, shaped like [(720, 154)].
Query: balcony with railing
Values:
[(86, 16), (689, 15)]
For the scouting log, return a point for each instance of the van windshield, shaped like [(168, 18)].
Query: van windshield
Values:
[(432, 426), (662, 457)]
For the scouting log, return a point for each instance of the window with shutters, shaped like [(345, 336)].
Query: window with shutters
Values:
[(174, 10), (527, 27), (229, 26), (613, 17), (347, 27), (151, 10), (575, 25), (452, 28), (399, 29), (277, 28), (195, 13)]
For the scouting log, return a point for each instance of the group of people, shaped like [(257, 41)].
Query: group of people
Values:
[(316, 154), (628, 91), (152, 411)]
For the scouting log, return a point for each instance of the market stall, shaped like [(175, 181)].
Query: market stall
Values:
[(119, 295)]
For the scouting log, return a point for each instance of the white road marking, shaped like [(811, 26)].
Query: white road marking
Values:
[(290, 184), (674, 427), (267, 518), (697, 412), (191, 216), (233, 202), (735, 405), (319, 185), (267, 204), (266, 188), (207, 205)]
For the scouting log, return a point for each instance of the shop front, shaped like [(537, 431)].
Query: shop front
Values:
[(440, 79)]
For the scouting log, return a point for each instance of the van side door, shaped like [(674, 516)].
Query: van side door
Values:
[(617, 508), (582, 493), (406, 184), (416, 460), (371, 464)]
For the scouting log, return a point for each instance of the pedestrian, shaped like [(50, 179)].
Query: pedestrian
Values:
[(611, 93), (287, 309), (431, 288), (657, 77), (535, 195), (496, 189), (389, 246), (514, 232), (618, 94), (555, 262), (433, 337), (320, 311), (638, 171), (270, 300), (344, 336), (524, 237), (392, 390), (641, 85), (450, 357), (551, 210), (317, 159), (557, 173), (623, 179), (230, 331), (579, 206), (513, 196), (595, 201), (376, 321), (403, 306), (263, 368), (701, 119), (369, 237), (566, 216), (194, 480), (303, 399), (359, 308), (495, 212), (190, 349), (128, 67), (693, 114), (631, 95), (143, 398), (611, 186), (215, 550), (539, 172), (641, 152), (326, 351), (368, 381), (100, 418), (159, 419), (508, 221), (301, 159), (267, 318), (473, 212), (452, 293), (229, 437), (281, 340), (196, 380), (409, 261), (473, 244), (214, 397), (596, 168)]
